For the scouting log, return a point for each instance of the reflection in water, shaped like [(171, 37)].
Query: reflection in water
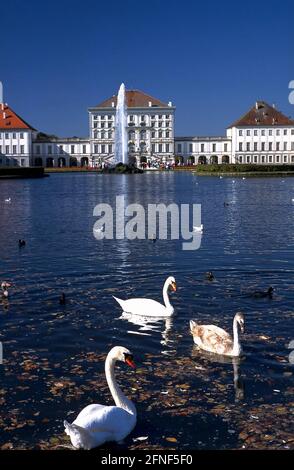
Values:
[(235, 361), (150, 324)]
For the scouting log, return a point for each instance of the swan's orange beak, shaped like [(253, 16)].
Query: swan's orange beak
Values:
[(130, 362), (174, 286)]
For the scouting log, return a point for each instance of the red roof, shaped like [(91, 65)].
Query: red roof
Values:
[(10, 120), (134, 99), (262, 114)]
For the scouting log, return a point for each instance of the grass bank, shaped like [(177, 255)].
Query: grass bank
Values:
[(241, 170)]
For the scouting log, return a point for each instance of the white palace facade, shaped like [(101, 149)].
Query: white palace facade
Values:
[(262, 136)]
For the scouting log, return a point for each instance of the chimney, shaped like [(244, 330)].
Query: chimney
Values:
[(150, 104), (112, 104), (256, 105), (4, 115), (170, 104)]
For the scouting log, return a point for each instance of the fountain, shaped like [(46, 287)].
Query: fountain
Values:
[(121, 158), (121, 142)]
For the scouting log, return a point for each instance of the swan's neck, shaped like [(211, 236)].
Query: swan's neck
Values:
[(236, 343), (119, 398), (165, 296)]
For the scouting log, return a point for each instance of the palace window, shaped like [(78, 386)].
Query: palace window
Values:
[(270, 146), (292, 145), (255, 158), (202, 147), (160, 134), (167, 148), (262, 132), (240, 159), (84, 149), (102, 148), (190, 148), (153, 148), (21, 135), (277, 145), (278, 158), (22, 149), (225, 147), (262, 146), (248, 158), (49, 149), (179, 147), (167, 134), (60, 148), (248, 146), (110, 148), (14, 135), (240, 132), (292, 131), (285, 131), (14, 149), (270, 159), (160, 148), (255, 132), (292, 158), (96, 148), (248, 132), (278, 132), (262, 159), (270, 132), (214, 147), (6, 135), (285, 145), (72, 149), (285, 158), (7, 149), (153, 134), (240, 146)]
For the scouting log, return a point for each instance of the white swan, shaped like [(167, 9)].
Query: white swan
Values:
[(8, 199), (97, 424), (216, 340), (149, 307)]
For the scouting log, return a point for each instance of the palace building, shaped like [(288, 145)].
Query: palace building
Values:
[(262, 136)]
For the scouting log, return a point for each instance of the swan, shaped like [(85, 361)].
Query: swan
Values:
[(149, 307), (198, 229), (97, 424), (8, 199), (214, 339)]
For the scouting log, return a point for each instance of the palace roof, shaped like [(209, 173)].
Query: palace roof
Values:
[(134, 99), (10, 120), (262, 114)]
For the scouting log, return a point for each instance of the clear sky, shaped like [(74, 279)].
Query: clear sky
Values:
[(211, 58)]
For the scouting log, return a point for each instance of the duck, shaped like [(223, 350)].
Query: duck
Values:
[(150, 307), (198, 229), (209, 276), (21, 243), (4, 286), (216, 340), (258, 294), (226, 204), (97, 424), (62, 299)]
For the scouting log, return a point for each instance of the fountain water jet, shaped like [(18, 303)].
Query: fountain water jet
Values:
[(121, 142)]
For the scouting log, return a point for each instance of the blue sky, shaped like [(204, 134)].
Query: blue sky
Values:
[(212, 59)]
